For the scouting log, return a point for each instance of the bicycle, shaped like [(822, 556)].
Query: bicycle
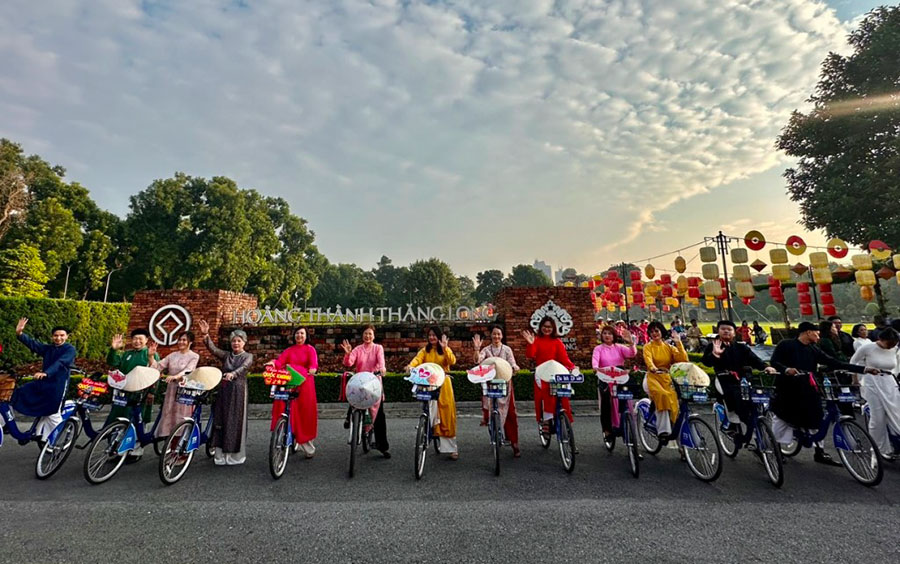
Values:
[(561, 387), (854, 445), (108, 450), (695, 437), (758, 428), (364, 390), (188, 436), (622, 402)]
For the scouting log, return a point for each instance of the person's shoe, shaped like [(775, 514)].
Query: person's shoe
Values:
[(385, 454), (454, 456), (663, 437), (823, 457), (131, 459), (483, 423), (346, 423), (516, 452)]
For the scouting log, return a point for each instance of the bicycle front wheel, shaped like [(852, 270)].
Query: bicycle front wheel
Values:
[(770, 453), (861, 458), (174, 460), (421, 446), (495, 440), (279, 448), (630, 442), (726, 440), (355, 433), (649, 441), (566, 443), (54, 454), (705, 458), (103, 460)]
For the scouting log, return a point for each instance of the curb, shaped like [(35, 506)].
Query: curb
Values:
[(405, 410)]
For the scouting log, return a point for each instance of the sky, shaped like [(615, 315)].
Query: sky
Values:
[(487, 134)]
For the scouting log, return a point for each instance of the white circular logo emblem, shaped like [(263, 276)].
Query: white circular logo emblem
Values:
[(560, 316), (168, 322)]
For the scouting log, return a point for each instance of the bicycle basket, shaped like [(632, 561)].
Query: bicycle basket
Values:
[(695, 394), (426, 393), (561, 390), (496, 389)]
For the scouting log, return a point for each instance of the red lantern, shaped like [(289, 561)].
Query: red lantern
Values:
[(666, 309), (806, 309), (827, 299), (824, 288), (638, 298), (637, 287), (828, 310), (613, 286), (693, 282), (613, 275), (665, 279), (653, 308), (667, 291), (693, 292), (635, 275), (802, 287), (804, 299), (746, 300)]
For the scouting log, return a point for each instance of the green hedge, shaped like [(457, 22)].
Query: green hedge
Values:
[(92, 324)]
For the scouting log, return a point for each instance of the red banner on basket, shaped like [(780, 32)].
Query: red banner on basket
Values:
[(92, 387), (276, 376)]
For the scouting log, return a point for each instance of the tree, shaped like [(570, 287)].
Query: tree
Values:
[(22, 272), (91, 268), (466, 291), (52, 229), (393, 281), (347, 285), (490, 282), (848, 145), (525, 275), (431, 283)]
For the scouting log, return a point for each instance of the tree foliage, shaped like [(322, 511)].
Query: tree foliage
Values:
[(432, 282), (525, 275), (349, 286), (490, 282), (22, 272), (848, 145)]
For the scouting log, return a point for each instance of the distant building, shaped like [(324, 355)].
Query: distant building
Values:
[(544, 267)]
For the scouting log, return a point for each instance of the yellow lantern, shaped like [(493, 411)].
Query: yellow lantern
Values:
[(623, 308), (726, 304), (710, 271), (649, 271), (745, 290), (710, 304), (865, 277), (896, 259), (569, 284), (818, 259), (781, 272), (611, 307), (651, 289), (648, 299), (778, 256), (712, 289), (739, 256), (674, 302), (862, 262), (598, 278), (680, 264), (867, 293), (708, 254), (584, 284), (741, 272), (681, 285), (821, 275)]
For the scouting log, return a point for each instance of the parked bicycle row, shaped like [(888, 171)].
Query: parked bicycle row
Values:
[(772, 423)]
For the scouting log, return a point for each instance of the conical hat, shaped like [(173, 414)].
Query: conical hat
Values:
[(203, 378), (140, 378), (688, 374), (427, 374), (364, 390), (548, 371), (503, 368), (613, 374), (481, 373)]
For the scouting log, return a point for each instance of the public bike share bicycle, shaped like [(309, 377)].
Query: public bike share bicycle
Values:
[(427, 380), (757, 435), (285, 386), (363, 391), (493, 375), (622, 414), (854, 445), (108, 450), (195, 390), (559, 380), (695, 437), (867, 415)]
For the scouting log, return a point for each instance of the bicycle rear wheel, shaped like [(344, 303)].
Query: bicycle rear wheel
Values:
[(705, 458), (862, 459), (421, 446), (630, 442), (355, 432), (566, 443), (727, 441), (279, 449), (102, 460), (649, 441), (54, 454), (174, 460), (770, 452), (495, 440)]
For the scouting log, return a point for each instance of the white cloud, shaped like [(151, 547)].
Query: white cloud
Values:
[(458, 129)]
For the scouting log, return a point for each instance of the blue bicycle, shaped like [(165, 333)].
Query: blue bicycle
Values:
[(424, 432), (757, 436), (622, 416), (187, 436), (561, 387), (108, 450), (695, 436), (282, 439), (892, 437), (854, 445)]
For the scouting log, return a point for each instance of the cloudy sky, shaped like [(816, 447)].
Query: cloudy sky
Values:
[(486, 133)]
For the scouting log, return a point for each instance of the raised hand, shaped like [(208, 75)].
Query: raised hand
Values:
[(118, 341), (718, 348), (627, 337), (676, 336), (151, 348), (528, 336), (40, 375), (476, 340), (346, 346), (204, 326), (20, 326), (445, 341), (770, 370)]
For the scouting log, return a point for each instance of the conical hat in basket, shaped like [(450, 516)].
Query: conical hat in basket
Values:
[(503, 368), (548, 371), (364, 390), (204, 378), (688, 374), (427, 374), (140, 378)]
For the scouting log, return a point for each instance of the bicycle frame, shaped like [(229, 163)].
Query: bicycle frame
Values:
[(681, 430), (288, 398), (136, 435), (832, 415), (12, 429)]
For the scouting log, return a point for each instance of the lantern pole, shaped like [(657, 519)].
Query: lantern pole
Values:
[(722, 243), (815, 293)]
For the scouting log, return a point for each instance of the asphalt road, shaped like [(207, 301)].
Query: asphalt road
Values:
[(458, 512)]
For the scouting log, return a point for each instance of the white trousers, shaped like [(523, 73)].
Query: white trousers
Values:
[(47, 423), (228, 458), (663, 422), (883, 398), (784, 432)]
